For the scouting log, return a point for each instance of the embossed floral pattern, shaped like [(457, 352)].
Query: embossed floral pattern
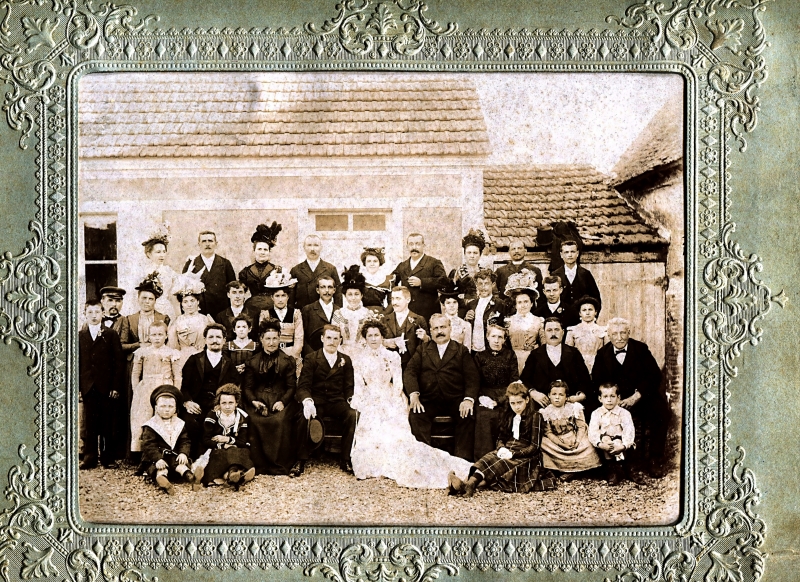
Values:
[(174, 547), (300, 547), (706, 475), (709, 248), (460, 548), (587, 550), (709, 349), (525, 549), (557, 550), (619, 49), (55, 503), (56, 441), (56, 123), (708, 411), (55, 347), (56, 472), (493, 549), (238, 547), (430, 548), (55, 377), (206, 548), (708, 444), (143, 547), (557, 49), (332, 549), (587, 50)]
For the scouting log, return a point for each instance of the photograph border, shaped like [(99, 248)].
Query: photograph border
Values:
[(718, 51)]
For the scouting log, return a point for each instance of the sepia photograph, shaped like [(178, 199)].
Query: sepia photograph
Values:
[(389, 298)]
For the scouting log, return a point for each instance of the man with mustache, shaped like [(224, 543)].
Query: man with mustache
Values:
[(217, 272), (318, 314), (441, 380), (516, 252), (556, 361), (203, 373), (422, 275), (308, 273)]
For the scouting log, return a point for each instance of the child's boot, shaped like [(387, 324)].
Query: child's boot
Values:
[(163, 482), (470, 485), (249, 475), (455, 485)]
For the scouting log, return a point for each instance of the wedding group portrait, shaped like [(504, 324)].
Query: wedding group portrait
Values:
[(380, 298)]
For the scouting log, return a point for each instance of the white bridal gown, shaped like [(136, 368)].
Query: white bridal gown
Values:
[(384, 445)]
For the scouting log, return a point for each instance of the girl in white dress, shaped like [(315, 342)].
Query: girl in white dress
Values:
[(384, 445), (587, 336), (154, 364), (155, 248), (523, 326), (450, 298), (350, 316)]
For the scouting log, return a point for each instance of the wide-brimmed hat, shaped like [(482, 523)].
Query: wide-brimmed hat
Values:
[(451, 290), (523, 282), (267, 234), (166, 390), (353, 279), (188, 284), (152, 284), (159, 235), (279, 280)]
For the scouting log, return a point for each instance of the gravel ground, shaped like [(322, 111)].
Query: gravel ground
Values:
[(324, 495)]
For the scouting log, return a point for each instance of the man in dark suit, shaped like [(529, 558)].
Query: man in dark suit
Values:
[(203, 373), (422, 275), (236, 296), (516, 251), (441, 379), (575, 280), (325, 388), (405, 329), (554, 307), (217, 272), (556, 361), (484, 308), (101, 383), (629, 364), (309, 272), (318, 314)]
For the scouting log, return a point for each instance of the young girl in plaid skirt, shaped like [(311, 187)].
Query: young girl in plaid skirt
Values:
[(515, 464)]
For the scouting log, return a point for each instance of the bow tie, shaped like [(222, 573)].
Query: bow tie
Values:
[(622, 351)]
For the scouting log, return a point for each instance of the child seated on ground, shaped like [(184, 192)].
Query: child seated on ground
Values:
[(166, 443), (515, 464), (565, 444), (225, 433), (611, 431)]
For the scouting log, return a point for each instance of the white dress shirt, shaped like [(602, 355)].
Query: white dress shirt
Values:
[(214, 357), (553, 307), (208, 261), (570, 273), (620, 354), (478, 333), (312, 266), (94, 330), (414, 263), (400, 317), (237, 310), (327, 308), (331, 357), (281, 313), (554, 353), (442, 349), (515, 426)]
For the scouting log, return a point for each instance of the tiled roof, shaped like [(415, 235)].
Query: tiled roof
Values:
[(236, 114), (520, 199), (660, 143)]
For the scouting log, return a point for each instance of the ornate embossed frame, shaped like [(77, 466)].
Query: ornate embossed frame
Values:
[(717, 45)]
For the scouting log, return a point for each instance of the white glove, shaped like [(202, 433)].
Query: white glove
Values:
[(400, 342), (487, 402), (504, 453), (309, 410)]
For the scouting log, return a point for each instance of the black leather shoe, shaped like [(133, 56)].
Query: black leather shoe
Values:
[(346, 466), (297, 469)]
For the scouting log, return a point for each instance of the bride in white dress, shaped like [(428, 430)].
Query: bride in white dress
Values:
[(384, 445)]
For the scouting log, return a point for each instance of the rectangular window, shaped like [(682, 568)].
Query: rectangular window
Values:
[(329, 222), (99, 252), (369, 222)]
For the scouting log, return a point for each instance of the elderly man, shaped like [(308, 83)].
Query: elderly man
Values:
[(309, 272), (203, 373), (422, 275), (516, 252), (216, 271), (556, 361), (629, 364), (441, 380)]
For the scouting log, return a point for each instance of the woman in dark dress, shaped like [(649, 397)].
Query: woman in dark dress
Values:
[(269, 385), (497, 368), (378, 283), (226, 434), (263, 239), (473, 244), (241, 348)]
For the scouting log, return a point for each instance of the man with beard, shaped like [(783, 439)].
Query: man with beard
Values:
[(203, 373), (422, 275), (556, 361), (309, 272)]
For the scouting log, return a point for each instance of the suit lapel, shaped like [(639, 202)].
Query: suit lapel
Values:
[(422, 262), (448, 353)]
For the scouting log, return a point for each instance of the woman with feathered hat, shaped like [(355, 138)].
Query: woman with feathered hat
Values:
[(263, 239), (450, 297), (523, 327), (186, 331), (473, 244), (350, 316), (155, 249)]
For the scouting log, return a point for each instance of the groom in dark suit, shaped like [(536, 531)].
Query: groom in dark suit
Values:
[(318, 314), (423, 275), (405, 329), (101, 381), (217, 273), (325, 388), (629, 364), (557, 361), (441, 379)]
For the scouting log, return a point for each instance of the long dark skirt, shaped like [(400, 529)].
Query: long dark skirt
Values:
[(223, 459), (514, 475), (272, 440)]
